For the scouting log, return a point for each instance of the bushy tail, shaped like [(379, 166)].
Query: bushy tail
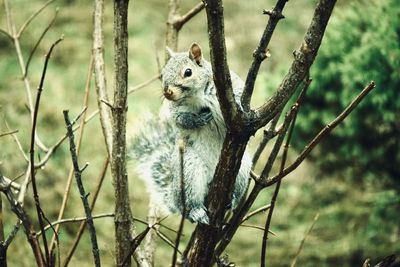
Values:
[(152, 146), (151, 137)]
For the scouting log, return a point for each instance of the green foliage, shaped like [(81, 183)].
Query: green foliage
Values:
[(362, 44)]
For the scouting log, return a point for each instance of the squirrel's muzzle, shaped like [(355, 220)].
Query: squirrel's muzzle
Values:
[(168, 93)]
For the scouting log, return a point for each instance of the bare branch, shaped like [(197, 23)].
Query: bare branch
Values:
[(292, 122), (8, 133), (269, 133), (32, 17), (179, 22), (38, 42), (181, 145), (99, 71), (124, 225), (82, 227), (144, 84), (39, 210), (255, 212), (17, 45), (293, 264), (26, 222), (323, 133), (6, 183), (82, 192), (75, 220), (135, 244), (257, 227), (304, 57), (78, 146), (4, 32), (222, 76), (261, 52), (12, 234), (176, 21)]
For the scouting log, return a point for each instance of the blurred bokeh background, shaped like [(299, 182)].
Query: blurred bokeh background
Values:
[(352, 179)]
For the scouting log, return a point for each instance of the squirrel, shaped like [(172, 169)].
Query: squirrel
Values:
[(190, 112)]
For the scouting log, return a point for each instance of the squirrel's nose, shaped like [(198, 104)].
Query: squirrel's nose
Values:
[(168, 93)]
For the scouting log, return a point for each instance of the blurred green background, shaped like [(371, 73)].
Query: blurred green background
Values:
[(352, 179)]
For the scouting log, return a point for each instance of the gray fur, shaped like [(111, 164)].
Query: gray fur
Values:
[(195, 118)]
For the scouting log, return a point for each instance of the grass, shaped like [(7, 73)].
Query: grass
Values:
[(350, 215)]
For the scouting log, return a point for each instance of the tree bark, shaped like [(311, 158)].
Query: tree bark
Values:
[(123, 215), (241, 125)]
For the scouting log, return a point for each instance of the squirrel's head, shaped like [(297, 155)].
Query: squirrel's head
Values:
[(185, 74)]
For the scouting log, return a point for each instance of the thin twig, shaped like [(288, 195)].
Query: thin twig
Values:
[(39, 210), (99, 73), (255, 212), (269, 133), (7, 34), (75, 220), (134, 245), (183, 200), (167, 241), (29, 20), (274, 198), (78, 173), (323, 133), (8, 133), (15, 137), (257, 227), (6, 183), (78, 146), (180, 21), (261, 53), (38, 42), (12, 234), (17, 45), (303, 240), (144, 84), (82, 227), (278, 144), (29, 230), (158, 62)]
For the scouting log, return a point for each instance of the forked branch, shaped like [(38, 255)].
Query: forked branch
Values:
[(323, 133)]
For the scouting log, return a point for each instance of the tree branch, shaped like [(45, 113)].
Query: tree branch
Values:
[(39, 210), (123, 215), (176, 21), (75, 220), (78, 173), (323, 133), (82, 226), (38, 42), (31, 18), (100, 76), (293, 264), (179, 22), (8, 133), (292, 122), (17, 45), (304, 57), (26, 222), (183, 200), (222, 77), (78, 146), (261, 52)]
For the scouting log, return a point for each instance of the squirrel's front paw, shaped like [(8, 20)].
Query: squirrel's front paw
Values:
[(198, 215)]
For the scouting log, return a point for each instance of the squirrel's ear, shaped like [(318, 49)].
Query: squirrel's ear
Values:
[(169, 51), (195, 53)]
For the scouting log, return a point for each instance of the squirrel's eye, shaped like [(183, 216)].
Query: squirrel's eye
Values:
[(188, 72)]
